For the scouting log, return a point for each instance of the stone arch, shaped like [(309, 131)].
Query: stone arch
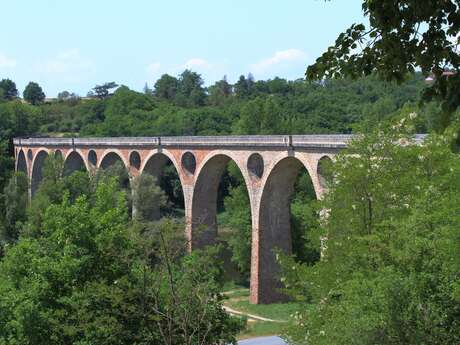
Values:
[(135, 160), (203, 227), (21, 163), (37, 170), (92, 158), (323, 172), (109, 158), (73, 162), (155, 165), (274, 227)]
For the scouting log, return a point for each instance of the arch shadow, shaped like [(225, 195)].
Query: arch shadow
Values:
[(74, 162)]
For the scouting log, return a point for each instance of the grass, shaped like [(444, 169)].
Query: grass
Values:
[(238, 299), (262, 329)]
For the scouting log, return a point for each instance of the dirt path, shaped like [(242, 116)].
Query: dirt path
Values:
[(249, 316)]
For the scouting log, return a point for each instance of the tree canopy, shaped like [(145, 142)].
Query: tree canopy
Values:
[(402, 37)]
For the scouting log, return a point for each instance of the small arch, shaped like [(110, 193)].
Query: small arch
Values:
[(135, 159), (92, 158), (111, 158), (255, 165), (21, 164), (74, 162), (188, 162), (37, 170), (30, 154), (324, 172), (58, 154)]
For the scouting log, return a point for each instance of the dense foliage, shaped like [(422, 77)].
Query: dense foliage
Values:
[(390, 267), (82, 273), (401, 37)]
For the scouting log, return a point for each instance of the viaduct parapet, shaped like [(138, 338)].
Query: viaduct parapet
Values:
[(269, 165)]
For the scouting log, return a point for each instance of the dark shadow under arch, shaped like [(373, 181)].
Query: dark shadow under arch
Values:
[(111, 159), (21, 165), (37, 170), (275, 225), (74, 162)]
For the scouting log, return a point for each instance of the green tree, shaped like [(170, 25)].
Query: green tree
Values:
[(219, 92), (148, 198), (102, 91), (190, 91), (33, 93), (389, 273), (166, 87), (16, 201), (10, 91), (401, 37), (244, 86)]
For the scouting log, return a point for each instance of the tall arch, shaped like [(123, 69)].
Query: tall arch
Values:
[(156, 165), (37, 170), (74, 162), (274, 229), (204, 202), (21, 165)]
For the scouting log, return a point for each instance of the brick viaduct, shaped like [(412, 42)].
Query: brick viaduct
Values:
[(269, 165)]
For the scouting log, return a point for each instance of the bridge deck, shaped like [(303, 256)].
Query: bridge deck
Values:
[(336, 140)]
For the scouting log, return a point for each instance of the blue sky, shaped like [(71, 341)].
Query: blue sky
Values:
[(73, 45)]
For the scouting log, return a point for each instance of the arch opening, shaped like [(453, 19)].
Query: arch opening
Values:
[(21, 165), (188, 162), (37, 171), (92, 158), (135, 160), (74, 162), (256, 165), (324, 172), (168, 200), (287, 218), (58, 153), (221, 213), (112, 165)]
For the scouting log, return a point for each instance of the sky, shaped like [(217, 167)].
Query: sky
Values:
[(74, 45)]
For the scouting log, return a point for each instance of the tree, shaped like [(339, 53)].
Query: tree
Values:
[(148, 198), (90, 278), (389, 273), (16, 200), (219, 92), (33, 93), (102, 91), (190, 91), (166, 87), (147, 90), (402, 36), (10, 91)]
